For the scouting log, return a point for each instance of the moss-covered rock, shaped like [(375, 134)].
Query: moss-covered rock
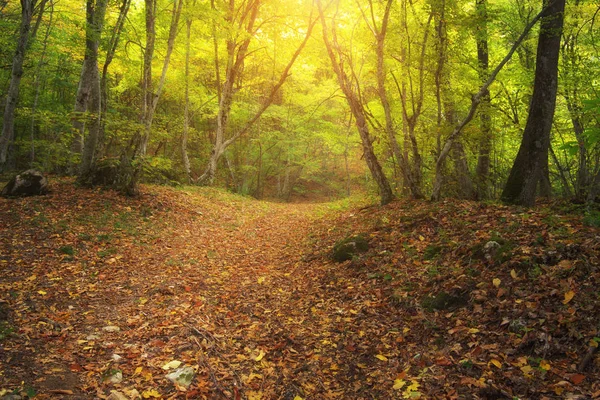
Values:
[(445, 301), (349, 247)]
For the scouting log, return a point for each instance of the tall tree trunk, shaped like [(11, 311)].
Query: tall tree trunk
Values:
[(475, 100), (186, 110), (416, 104), (151, 98), (36, 83), (112, 48), (380, 35), (357, 109), (8, 123), (485, 140), (527, 170), (90, 77)]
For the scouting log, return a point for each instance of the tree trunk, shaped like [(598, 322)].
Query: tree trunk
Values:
[(90, 79), (385, 190), (485, 140), (8, 123), (465, 184), (112, 48), (380, 34), (186, 111), (527, 170), (36, 84)]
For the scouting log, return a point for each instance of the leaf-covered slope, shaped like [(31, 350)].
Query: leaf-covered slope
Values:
[(101, 292)]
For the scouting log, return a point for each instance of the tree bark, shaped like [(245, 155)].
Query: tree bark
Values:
[(36, 84), (8, 123), (186, 110), (485, 120), (90, 79), (528, 168), (385, 190)]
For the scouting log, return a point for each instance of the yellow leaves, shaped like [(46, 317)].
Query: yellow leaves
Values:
[(496, 282), (526, 370), (496, 363), (421, 238), (399, 384), (255, 395), (260, 280), (138, 370), (545, 365), (381, 357), (146, 394), (473, 330), (259, 356), (298, 398), (513, 274), (32, 278), (569, 296), (42, 292), (251, 377), (171, 365)]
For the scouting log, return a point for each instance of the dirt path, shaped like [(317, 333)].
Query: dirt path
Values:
[(106, 293)]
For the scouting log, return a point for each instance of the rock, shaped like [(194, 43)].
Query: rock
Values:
[(490, 249), (28, 183), (182, 376), (116, 395), (346, 249), (114, 376)]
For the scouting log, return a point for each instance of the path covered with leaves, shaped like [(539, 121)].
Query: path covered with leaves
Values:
[(103, 296)]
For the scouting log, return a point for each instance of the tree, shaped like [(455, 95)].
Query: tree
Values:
[(528, 168), (237, 52), (475, 101), (485, 141), (8, 123), (89, 94), (338, 60)]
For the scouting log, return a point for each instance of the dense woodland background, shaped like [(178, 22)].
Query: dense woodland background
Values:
[(276, 98)]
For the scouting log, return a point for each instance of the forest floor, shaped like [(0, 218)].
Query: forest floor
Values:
[(102, 295)]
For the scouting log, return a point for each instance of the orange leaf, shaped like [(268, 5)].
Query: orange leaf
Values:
[(577, 378)]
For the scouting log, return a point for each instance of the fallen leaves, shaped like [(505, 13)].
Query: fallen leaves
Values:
[(224, 287)]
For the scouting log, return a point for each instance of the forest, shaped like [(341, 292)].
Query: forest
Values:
[(298, 200), (282, 99)]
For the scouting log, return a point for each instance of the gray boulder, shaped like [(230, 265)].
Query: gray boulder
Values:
[(28, 183)]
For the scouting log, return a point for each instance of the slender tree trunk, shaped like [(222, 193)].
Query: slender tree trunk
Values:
[(36, 83), (485, 140), (385, 190), (528, 168), (112, 48), (380, 36), (90, 77), (186, 111), (8, 123)]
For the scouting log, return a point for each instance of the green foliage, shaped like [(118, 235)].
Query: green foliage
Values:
[(592, 218)]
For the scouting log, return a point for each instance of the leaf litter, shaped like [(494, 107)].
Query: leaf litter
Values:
[(109, 297)]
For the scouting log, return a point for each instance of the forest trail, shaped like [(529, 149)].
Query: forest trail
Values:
[(102, 294)]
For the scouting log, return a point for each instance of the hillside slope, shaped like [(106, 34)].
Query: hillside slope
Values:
[(101, 294)]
